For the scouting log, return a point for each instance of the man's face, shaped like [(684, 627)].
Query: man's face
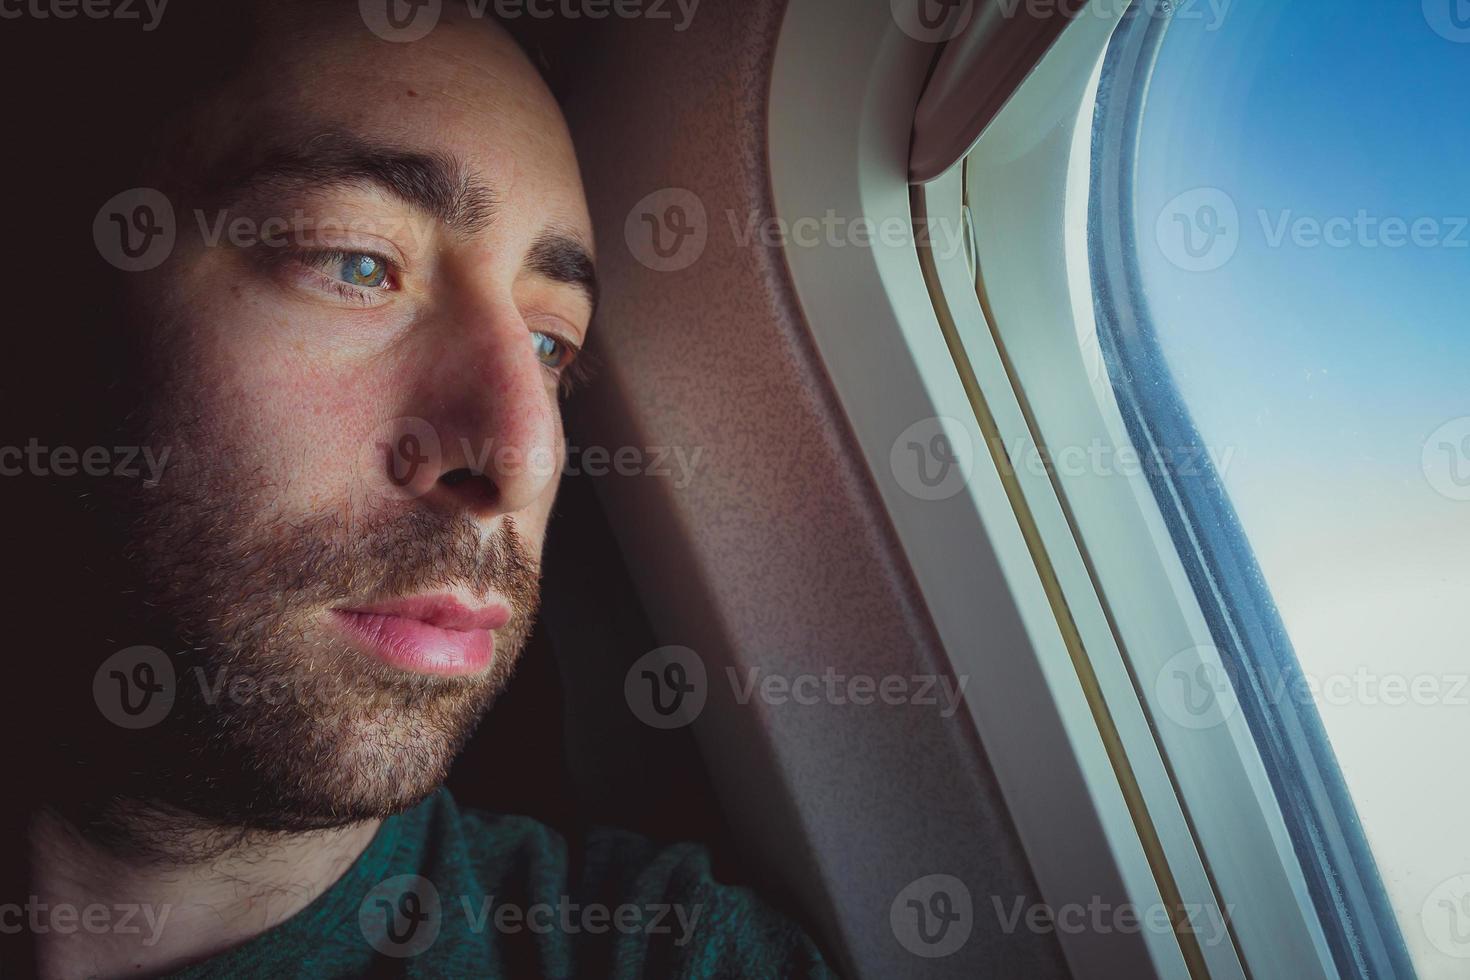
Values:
[(357, 384)]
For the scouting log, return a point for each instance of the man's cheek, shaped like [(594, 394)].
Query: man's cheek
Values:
[(288, 439), (532, 523)]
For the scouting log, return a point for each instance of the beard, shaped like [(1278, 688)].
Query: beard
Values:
[(276, 722)]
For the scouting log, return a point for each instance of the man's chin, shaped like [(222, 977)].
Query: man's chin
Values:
[(324, 738), (342, 771)]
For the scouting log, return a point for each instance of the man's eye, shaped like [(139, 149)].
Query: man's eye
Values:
[(355, 268), (362, 270), (552, 351)]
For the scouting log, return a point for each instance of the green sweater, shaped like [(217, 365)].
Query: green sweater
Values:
[(445, 892)]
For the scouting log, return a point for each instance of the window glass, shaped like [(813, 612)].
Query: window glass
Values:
[(1301, 223)]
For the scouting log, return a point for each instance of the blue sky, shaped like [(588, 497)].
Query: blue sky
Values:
[(1322, 370)]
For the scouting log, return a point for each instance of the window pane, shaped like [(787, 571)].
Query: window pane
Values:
[(1299, 238)]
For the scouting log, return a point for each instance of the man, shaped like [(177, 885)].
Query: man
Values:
[(341, 390)]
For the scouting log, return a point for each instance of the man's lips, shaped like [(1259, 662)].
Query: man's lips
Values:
[(444, 612), (426, 634)]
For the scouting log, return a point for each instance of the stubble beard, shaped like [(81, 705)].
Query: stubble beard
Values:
[(279, 723)]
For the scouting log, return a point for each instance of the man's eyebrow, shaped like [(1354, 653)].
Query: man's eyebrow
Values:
[(561, 257), (436, 183)]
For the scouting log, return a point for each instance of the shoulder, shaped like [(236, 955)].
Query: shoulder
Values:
[(645, 908)]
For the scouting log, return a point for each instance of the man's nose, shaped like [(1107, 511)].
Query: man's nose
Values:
[(492, 440)]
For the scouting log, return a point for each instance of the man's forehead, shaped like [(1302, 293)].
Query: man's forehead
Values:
[(459, 126), (326, 55), (465, 99), (313, 67)]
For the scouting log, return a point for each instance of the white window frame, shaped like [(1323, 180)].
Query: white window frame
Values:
[(844, 85)]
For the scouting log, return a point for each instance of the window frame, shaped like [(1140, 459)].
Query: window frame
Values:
[(872, 317), (1023, 558), (1048, 332)]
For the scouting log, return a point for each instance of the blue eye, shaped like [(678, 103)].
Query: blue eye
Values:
[(360, 269), (550, 351)]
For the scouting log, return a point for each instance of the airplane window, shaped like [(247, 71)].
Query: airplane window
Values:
[(1282, 222)]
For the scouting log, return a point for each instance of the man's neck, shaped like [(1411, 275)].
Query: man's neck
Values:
[(208, 890)]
